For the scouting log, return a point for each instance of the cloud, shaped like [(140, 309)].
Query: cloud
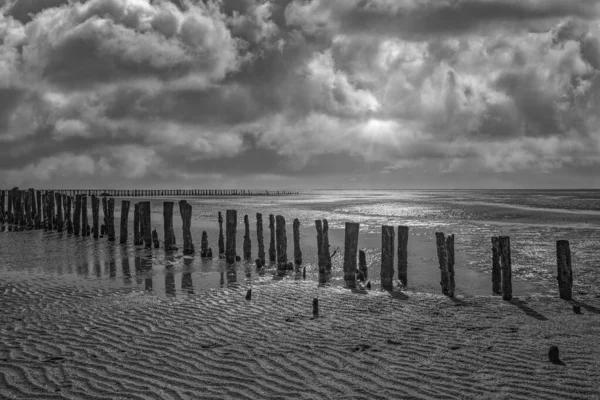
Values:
[(143, 91)]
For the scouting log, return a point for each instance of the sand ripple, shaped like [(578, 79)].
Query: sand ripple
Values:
[(60, 342)]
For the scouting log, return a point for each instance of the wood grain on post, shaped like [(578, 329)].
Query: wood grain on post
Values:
[(281, 243), (137, 231), (297, 251), (221, 240), (326, 254), (84, 215), (186, 217), (2, 214), (362, 264), (565, 273), (247, 244), (105, 212), (76, 215), (111, 220), (450, 263), (124, 221), (230, 232), (387, 257), (260, 238), (496, 269), (440, 241), (350, 253), (272, 250), (204, 245), (146, 224), (51, 213), (32, 209), (168, 225), (506, 263), (9, 207), (69, 215), (59, 213), (320, 256), (39, 213), (95, 216), (403, 255)]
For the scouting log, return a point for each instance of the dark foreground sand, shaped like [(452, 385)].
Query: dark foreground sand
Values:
[(58, 342)]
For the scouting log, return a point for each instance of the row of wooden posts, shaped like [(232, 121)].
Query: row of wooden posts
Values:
[(158, 192), (52, 211)]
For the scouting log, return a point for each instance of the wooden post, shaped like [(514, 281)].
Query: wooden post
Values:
[(247, 243), (32, 209), (110, 220), (39, 214), (9, 216), (297, 251), (95, 216), (440, 241), (230, 231), (362, 264), (326, 254), (350, 253), (505, 260), (403, 255), (155, 240), (387, 257), (105, 212), (168, 225), (281, 238), (450, 262), (204, 245), (272, 251), (44, 210), (137, 232), (565, 273), (260, 238), (320, 257), (496, 269), (2, 214), (124, 221), (186, 216), (59, 212), (50, 202), (68, 214), (84, 216), (221, 240), (146, 224), (76, 215)]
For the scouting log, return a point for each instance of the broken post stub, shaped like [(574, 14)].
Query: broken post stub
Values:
[(260, 238), (565, 273), (320, 257), (247, 249), (221, 240), (281, 239), (297, 251), (496, 268), (350, 253), (272, 250), (186, 216), (403, 255), (362, 264), (387, 257), (124, 221), (230, 235), (450, 264), (506, 263)]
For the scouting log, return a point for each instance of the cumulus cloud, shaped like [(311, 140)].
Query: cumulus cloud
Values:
[(122, 91)]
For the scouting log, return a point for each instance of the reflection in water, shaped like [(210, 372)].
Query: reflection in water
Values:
[(112, 264), (186, 279), (126, 269), (222, 280), (170, 280), (232, 276), (143, 267)]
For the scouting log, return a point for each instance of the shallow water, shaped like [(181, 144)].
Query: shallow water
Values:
[(533, 219)]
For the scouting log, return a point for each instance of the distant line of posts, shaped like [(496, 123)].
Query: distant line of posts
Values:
[(51, 210)]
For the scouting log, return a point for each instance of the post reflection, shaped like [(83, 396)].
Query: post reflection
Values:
[(232, 276), (112, 264), (186, 279), (170, 274), (126, 270), (145, 270)]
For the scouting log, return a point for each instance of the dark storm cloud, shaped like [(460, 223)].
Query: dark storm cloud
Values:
[(300, 90)]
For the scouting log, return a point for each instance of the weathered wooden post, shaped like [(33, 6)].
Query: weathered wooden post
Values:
[(146, 224), (297, 251), (110, 220), (230, 231), (50, 202), (281, 240), (403, 255), (168, 225), (68, 214), (320, 256), (221, 240), (565, 273), (505, 260), (204, 245), (84, 215), (440, 241), (59, 212), (155, 240), (247, 245), (137, 235), (272, 251), (33, 209), (95, 216), (124, 221), (39, 216), (350, 253), (326, 254), (387, 257), (186, 216), (496, 269), (362, 264), (76, 215), (44, 210), (2, 214), (9, 207), (450, 262), (105, 212), (260, 238)]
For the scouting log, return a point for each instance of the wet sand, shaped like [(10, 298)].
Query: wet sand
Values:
[(58, 342)]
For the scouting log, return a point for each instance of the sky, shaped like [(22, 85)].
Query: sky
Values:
[(300, 94)]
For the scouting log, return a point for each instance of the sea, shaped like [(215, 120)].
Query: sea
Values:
[(533, 219)]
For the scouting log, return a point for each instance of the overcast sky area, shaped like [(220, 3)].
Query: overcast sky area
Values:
[(300, 94)]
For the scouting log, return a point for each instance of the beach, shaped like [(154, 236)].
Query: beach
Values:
[(85, 318)]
